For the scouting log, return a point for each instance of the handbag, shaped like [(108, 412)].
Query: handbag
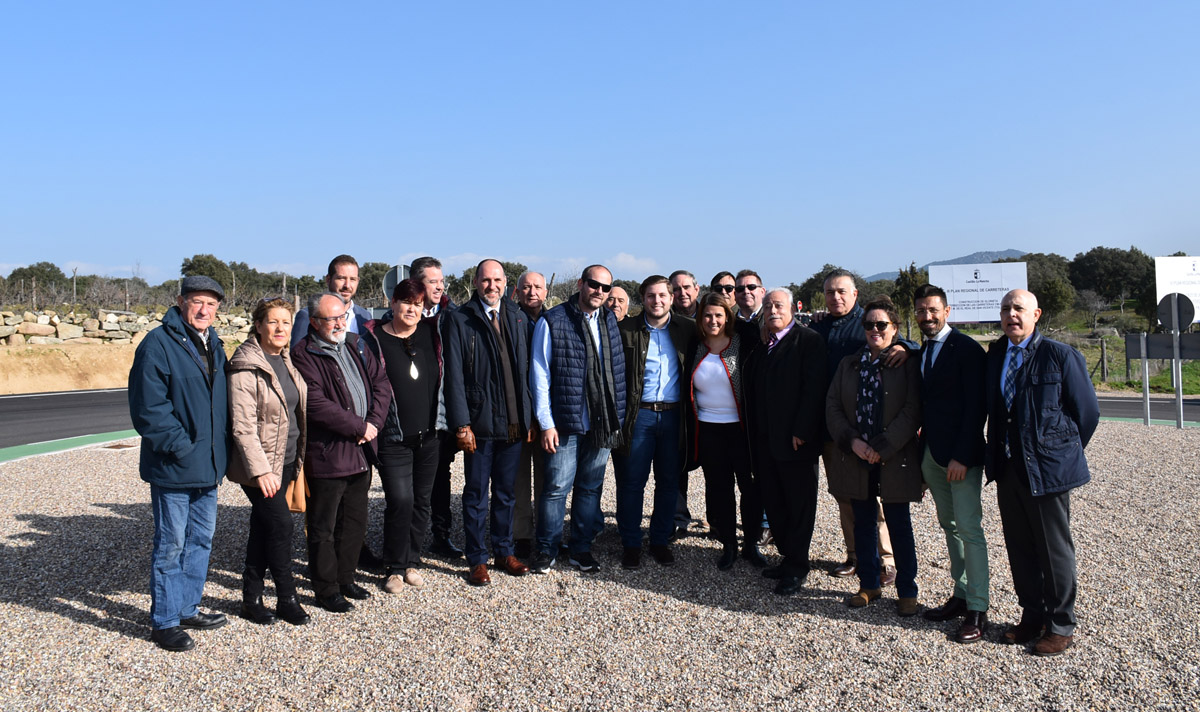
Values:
[(297, 492)]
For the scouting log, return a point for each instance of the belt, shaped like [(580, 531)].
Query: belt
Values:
[(660, 406), (418, 439)]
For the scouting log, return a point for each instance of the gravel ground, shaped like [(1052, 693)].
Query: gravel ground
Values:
[(76, 529)]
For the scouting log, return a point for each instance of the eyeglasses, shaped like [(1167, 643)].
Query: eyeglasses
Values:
[(332, 319), (743, 287), (876, 325), (727, 288), (606, 288)]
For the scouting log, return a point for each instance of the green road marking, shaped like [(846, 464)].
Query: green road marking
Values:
[(18, 451), (1186, 423)]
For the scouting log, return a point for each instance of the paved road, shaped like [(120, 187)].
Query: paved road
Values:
[(40, 417)]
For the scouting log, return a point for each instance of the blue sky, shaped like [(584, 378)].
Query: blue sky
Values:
[(648, 136)]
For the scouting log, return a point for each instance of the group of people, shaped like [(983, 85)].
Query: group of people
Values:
[(727, 381)]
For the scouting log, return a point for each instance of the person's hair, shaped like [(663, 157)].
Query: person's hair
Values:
[(338, 262), (410, 290), (587, 271), (713, 299), (785, 290), (835, 273), (650, 282), (314, 302), (928, 290), (264, 307), (885, 304), (487, 259), (419, 265), (748, 273), (678, 272), (528, 272), (712, 283)]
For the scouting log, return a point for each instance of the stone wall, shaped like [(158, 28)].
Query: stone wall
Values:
[(104, 327)]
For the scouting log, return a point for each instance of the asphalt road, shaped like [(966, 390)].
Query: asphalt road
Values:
[(39, 417)]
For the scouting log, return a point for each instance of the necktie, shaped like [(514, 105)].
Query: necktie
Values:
[(771, 344), (928, 357), (1010, 377)]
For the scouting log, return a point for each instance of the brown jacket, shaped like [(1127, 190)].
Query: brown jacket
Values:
[(900, 470), (258, 414)]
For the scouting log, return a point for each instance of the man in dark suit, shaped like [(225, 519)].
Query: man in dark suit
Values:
[(953, 403), (1042, 410), (787, 381)]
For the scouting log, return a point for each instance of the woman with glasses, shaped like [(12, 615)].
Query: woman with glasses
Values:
[(267, 406), (411, 353), (873, 414)]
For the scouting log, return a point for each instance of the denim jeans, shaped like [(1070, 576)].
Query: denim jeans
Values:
[(184, 521), (575, 465), (655, 440), (494, 462), (899, 524)]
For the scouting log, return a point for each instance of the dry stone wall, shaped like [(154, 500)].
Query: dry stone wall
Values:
[(104, 327)]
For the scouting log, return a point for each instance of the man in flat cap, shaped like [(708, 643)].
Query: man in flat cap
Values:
[(178, 404)]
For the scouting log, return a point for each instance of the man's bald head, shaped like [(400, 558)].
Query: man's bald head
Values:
[(1019, 314)]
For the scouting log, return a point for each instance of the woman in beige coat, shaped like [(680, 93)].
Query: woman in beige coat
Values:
[(873, 414), (266, 403)]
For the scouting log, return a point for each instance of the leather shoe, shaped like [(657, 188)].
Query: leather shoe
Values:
[(887, 577), (336, 603), (204, 621), (751, 554), (446, 549), (1053, 644), (863, 597), (728, 557), (288, 608), (479, 575), (662, 554), (1028, 629), (353, 590), (512, 566), (773, 572), (973, 627), (254, 611), (906, 606), (174, 639), (789, 585), (631, 558), (844, 570), (952, 608)]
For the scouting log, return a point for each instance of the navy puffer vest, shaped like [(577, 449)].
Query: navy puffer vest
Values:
[(568, 365)]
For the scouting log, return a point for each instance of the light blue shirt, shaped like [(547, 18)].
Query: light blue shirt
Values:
[(660, 382), (539, 368)]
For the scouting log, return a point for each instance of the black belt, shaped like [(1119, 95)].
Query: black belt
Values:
[(419, 439), (660, 406)]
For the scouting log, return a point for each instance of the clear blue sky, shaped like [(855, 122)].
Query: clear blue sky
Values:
[(645, 135)]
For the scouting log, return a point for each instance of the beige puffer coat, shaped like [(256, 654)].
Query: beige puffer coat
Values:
[(259, 416)]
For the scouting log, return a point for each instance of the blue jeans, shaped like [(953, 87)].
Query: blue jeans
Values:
[(903, 547), (184, 521), (575, 465), (655, 439), (494, 461)]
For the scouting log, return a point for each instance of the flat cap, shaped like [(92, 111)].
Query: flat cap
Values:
[(200, 283)]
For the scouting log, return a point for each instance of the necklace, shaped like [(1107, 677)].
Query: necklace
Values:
[(413, 373)]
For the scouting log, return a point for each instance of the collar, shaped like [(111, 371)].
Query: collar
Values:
[(940, 337), (1023, 345), (660, 328)]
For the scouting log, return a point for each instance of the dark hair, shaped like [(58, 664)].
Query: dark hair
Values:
[(338, 262), (712, 283), (884, 304), (419, 265), (928, 290), (748, 273), (650, 282), (713, 299), (678, 272), (265, 306), (839, 272), (410, 290)]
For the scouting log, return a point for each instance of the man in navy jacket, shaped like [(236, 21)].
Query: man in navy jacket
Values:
[(179, 405), (1042, 410)]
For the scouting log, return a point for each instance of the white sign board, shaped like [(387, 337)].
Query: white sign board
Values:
[(975, 291), (1178, 274)]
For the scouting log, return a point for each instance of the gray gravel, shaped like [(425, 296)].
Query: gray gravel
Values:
[(76, 528)]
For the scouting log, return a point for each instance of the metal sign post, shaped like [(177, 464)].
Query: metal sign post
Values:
[(1175, 311), (1145, 382)]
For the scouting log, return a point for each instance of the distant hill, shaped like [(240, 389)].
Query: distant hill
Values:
[(974, 258)]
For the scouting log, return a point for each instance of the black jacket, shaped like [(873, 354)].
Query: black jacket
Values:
[(474, 383), (785, 395), (954, 401), (635, 340)]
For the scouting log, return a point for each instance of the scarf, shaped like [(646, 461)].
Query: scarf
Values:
[(601, 400), (868, 409)]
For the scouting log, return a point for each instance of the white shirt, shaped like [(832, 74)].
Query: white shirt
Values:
[(715, 402)]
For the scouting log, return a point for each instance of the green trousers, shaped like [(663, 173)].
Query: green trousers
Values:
[(960, 513)]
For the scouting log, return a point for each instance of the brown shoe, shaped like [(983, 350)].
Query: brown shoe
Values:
[(845, 570), (512, 566), (1023, 632), (887, 577), (1053, 644), (906, 606), (973, 627), (479, 575), (863, 597)]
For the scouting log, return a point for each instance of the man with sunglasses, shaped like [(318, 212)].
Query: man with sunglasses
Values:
[(578, 380), (748, 293), (724, 284)]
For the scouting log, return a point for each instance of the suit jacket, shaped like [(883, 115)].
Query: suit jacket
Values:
[(954, 401), (474, 372), (785, 395)]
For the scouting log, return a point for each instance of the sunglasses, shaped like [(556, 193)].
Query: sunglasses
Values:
[(727, 288), (744, 287), (606, 288), (876, 325)]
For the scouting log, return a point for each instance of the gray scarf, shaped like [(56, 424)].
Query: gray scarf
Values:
[(601, 399)]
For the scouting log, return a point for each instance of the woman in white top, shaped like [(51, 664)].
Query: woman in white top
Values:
[(718, 443)]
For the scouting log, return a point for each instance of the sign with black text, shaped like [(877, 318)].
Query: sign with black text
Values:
[(975, 291)]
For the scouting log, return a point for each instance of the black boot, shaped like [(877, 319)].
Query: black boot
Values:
[(254, 611), (288, 608)]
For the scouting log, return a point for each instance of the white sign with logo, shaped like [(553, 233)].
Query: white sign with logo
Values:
[(975, 291), (1178, 274)]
